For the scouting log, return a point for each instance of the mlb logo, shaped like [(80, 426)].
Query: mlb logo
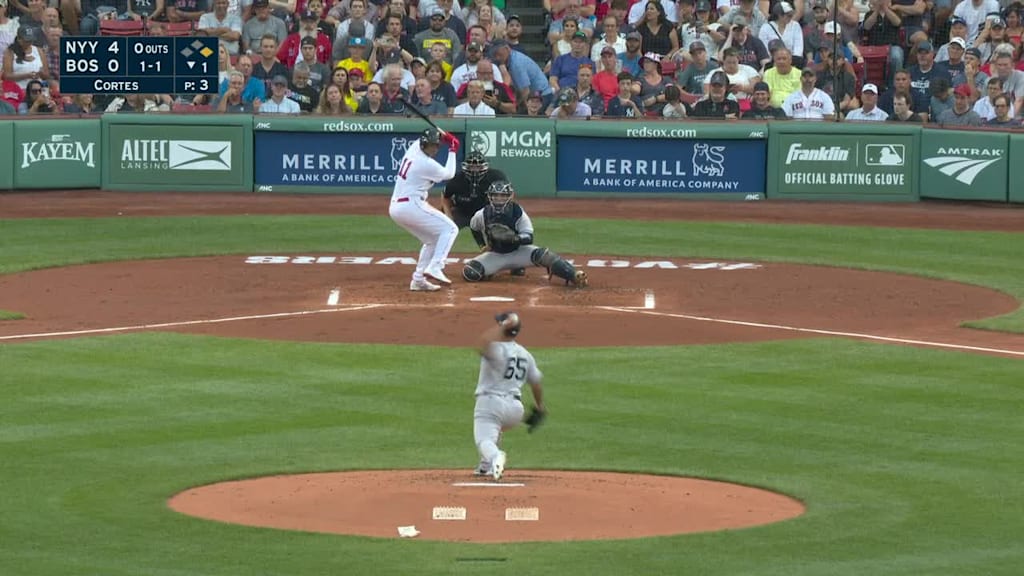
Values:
[(485, 142), (884, 154)]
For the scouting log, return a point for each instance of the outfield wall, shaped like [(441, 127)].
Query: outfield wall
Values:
[(544, 157)]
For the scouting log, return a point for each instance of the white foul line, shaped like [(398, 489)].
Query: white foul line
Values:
[(489, 484), (186, 323), (820, 331)]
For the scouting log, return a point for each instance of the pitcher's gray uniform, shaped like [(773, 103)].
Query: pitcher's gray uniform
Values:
[(505, 366)]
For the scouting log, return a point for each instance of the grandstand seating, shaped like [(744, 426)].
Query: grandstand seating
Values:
[(121, 28)]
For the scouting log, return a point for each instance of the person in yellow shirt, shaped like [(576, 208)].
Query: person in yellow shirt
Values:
[(357, 46), (439, 53), (783, 78)]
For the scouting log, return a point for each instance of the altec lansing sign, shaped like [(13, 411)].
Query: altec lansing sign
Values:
[(592, 263)]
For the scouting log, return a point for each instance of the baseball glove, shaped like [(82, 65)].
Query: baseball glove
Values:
[(501, 234), (534, 419)]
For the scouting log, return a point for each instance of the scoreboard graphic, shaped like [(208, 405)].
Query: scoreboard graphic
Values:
[(138, 65)]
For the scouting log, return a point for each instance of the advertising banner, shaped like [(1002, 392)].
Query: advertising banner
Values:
[(352, 162), (1016, 151), (659, 166), (524, 149), (838, 162), (964, 165), (6, 155), (208, 153), (57, 154)]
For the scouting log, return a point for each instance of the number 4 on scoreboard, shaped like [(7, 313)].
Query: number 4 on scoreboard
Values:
[(113, 48)]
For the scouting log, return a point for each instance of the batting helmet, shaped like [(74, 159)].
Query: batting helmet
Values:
[(430, 136)]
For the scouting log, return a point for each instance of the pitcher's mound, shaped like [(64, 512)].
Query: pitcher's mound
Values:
[(526, 505)]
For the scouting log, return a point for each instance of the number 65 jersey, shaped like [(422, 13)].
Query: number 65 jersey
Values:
[(504, 368)]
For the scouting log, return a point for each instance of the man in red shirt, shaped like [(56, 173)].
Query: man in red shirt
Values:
[(308, 26)]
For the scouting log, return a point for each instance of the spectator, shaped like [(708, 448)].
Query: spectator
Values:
[(389, 53), (407, 25), (37, 100), (225, 27), (452, 19), (843, 89), (326, 28), (814, 32), (358, 25), (881, 28), (373, 103), (137, 104), (564, 68), (471, 14), (53, 34), (467, 71), (973, 13), (392, 92), (497, 94), (691, 78), (715, 103), (476, 34), (439, 53), (902, 111), (300, 90), (901, 85), (850, 50), (525, 73), (973, 76), (332, 102), (357, 57), (656, 31), (148, 10), (869, 110), (232, 99), (761, 105), (342, 10), (514, 33), (848, 16), (278, 103), (8, 27), (954, 66), (6, 109), (611, 38), (31, 16), (340, 78), (309, 28), (985, 107), (224, 66), (81, 104), (630, 59), (268, 65), (393, 29), (809, 102), (24, 61), (748, 11), (178, 10), (572, 14), (1012, 80), (357, 81), (638, 12), (991, 36), (263, 22), (586, 93), (437, 32), (1003, 118), (319, 73), (750, 50), (474, 105), (957, 29), (534, 105), (418, 68), (1014, 30), (11, 92), (624, 104), (674, 107), (606, 81), (423, 100), (699, 30), (650, 86), (441, 89), (568, 105), (784, 28), (253, 88), (741, 77), (960, 114), (922, 74), (941, 97), (562, 43), (783, 78)]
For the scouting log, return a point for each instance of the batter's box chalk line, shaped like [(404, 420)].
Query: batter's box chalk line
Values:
[(449, 513), (522, 514)]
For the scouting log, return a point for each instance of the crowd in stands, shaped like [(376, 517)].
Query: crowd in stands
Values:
[(950, 62)]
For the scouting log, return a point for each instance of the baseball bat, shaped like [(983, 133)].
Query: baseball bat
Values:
[(426, 118)]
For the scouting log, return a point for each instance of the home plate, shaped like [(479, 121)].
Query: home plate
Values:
[(491, 299)]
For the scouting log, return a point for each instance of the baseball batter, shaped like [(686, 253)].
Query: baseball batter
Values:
[(505, 365), (417, 173), (508, 241)]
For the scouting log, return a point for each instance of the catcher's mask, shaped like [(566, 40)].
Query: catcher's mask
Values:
[(475, 166), (499, 194)]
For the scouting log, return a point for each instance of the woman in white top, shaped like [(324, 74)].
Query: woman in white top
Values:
[(23, 61), (8, 27), (783, 27), (471, 13)]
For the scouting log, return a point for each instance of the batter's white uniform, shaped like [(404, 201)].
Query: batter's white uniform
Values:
[(417, 174), (504, 367), (815, 106)]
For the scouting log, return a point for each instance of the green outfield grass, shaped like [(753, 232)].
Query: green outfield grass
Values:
[(909, 460)]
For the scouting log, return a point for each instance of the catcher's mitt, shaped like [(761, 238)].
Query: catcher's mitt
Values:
[(501, 234), (534, 419)]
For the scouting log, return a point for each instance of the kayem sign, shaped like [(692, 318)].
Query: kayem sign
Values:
[(860, 164), (57, 154)]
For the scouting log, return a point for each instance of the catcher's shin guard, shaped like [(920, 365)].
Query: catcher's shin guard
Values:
[(558, 266), (473, 271)]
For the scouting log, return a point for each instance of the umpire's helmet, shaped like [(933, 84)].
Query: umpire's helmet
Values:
[(500, 194), (475, 166), (430, 136)]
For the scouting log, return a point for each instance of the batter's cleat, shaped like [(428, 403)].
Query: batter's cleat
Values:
[(518, 272), (580, 279), (498, 466), (423, 286), (438, 275)]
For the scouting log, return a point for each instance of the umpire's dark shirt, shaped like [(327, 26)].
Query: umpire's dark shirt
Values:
[(468, 198)]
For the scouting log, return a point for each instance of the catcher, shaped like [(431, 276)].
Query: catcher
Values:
[(505, 365), (508, 241)]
